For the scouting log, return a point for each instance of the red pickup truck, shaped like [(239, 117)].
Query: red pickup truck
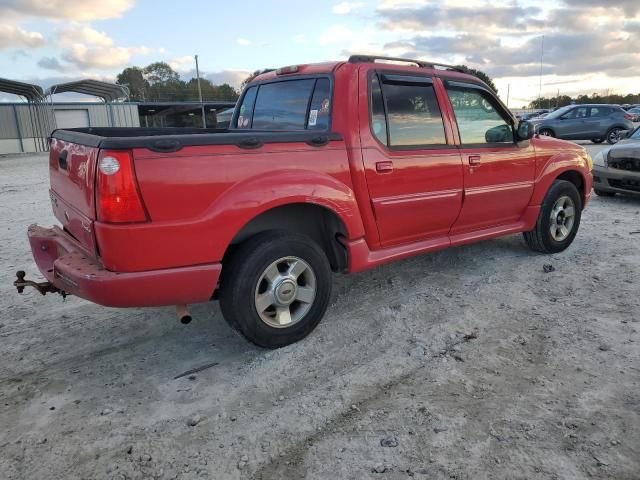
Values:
[(334, 167)]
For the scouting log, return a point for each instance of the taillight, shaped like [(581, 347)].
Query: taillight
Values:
[(118, 198), (628, 116)]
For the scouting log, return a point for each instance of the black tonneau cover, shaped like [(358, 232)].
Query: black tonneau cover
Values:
[(173, 139)]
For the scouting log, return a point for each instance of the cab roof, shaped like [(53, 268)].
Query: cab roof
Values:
[(405, 64)]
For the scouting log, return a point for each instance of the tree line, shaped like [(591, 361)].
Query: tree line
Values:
[(158, 82), (562, 100)]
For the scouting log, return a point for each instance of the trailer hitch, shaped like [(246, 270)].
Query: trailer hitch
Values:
[(42, 287)]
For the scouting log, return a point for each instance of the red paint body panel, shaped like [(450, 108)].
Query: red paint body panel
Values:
[(64, 263), (393, 203)]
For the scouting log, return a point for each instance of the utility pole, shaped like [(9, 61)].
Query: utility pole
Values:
[(508, 89), (204, 118), (540, 88)]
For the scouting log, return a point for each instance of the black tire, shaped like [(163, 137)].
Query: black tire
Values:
[(612, 135), (597, 140), (540, 239), (546, 132), (241, 275), (602, 193)]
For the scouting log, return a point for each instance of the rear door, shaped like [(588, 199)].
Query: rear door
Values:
[(498, 172), (412, 166), (596, 121)]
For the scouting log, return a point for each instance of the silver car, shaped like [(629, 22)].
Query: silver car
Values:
[(593, 122), (617, 169)]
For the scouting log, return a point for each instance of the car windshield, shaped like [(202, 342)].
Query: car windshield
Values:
[(559, 112)]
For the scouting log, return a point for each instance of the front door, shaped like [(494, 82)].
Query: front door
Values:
[(572, 124), (498, 172), (412, 167)]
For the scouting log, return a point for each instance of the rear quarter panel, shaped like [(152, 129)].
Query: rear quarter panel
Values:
[(200, 197)]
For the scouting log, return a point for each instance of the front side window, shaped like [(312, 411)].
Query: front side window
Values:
[(580, 112), (478, 120), (409, 111)]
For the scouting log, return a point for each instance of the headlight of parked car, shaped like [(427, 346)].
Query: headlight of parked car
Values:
[(601, 158)]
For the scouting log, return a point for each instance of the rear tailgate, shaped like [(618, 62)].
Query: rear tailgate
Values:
[(72, 170)]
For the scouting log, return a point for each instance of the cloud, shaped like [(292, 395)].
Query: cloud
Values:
[(427, 17), (12, 36), (629, 7), (346, 8), (182, 64), (83, 34), (244, 42), (77, 10), (51, 63), (231, 77), (84, 57)]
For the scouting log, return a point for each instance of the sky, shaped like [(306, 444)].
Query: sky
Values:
[(589, 45)]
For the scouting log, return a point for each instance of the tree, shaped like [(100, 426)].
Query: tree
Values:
[(481, 75), (253, 75), (133, 78), (160, 72)]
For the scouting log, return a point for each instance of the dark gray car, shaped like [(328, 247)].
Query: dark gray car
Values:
[(585, 122), (617, 169)]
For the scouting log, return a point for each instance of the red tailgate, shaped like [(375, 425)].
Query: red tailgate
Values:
[(72, 170)]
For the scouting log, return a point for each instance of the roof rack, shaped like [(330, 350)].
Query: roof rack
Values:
[(419, 63)]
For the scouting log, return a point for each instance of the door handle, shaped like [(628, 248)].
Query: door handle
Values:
[(384, 167), (474, 160)]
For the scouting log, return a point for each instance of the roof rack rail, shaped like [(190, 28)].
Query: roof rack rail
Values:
[(419, 63)]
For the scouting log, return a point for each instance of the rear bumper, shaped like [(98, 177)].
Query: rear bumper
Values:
[(68, 266), (618, 181)]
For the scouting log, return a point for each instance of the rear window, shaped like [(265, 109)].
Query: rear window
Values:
[(287, 105)]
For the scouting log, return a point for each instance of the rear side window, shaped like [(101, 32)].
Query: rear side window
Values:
[(411, 111), (600, 111), (287, 105), (478, 120), (246, 109), (320, 105)]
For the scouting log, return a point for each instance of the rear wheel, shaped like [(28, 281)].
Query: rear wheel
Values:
[(602, 193), (558, 220), (275, 288), (546, 132), (613, 135), (597, 140)]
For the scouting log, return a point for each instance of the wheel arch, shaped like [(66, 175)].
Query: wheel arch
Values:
[(316, 221), (569, 166)]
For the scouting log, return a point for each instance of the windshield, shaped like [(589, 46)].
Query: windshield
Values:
[(560, 112)]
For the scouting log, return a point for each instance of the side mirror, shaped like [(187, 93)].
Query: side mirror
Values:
[(499, 134), (525, 131)]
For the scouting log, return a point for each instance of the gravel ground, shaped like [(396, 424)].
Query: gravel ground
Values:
[(469, 363)]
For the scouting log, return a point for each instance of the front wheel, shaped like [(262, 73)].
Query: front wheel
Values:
[(275, 288), (558, 220), (613, 135)]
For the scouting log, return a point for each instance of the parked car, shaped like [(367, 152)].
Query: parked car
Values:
[(328, 167), (585, 122), (617, 169), (635, 112), (530, 115)]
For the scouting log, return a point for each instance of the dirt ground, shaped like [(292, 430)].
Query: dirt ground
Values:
[(470, 363)]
